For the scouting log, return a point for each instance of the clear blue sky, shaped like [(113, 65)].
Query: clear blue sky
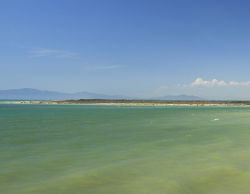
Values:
[(130, 47)]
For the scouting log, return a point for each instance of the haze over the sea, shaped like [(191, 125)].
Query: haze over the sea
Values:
[(136, 48)]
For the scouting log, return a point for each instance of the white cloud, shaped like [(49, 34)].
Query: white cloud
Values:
[(45, 52), (199, 82)]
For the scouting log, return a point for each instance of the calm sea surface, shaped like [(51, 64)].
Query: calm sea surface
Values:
[(71, 149)]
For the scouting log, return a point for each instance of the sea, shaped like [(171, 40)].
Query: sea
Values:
[(88, 149)]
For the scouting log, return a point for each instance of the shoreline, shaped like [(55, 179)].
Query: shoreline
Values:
[(101, 102)]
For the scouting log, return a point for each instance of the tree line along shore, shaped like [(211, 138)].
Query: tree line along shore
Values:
[(152, 102), (137, 102)]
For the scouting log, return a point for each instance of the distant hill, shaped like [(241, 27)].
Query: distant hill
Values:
[(34, 94), (178, 97)]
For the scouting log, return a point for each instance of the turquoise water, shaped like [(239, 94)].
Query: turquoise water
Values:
[(61, 149)]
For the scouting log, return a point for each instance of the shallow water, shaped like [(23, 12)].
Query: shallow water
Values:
[(118, 150)]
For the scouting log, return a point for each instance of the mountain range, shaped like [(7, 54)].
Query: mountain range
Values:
[(34, 94)]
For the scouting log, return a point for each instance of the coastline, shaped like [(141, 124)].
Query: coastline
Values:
[(104, 102)]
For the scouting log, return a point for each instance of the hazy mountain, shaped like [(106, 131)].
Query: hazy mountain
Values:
[(34, 94), (178, 97)]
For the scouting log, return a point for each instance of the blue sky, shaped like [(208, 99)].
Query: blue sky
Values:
[(130, 47)]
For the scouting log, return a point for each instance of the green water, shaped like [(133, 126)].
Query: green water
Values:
[(62, 149)]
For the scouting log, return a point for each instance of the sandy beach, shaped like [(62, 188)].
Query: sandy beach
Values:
[(133, 102)]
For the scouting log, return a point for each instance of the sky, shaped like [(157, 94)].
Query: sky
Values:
[(141, 48)]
